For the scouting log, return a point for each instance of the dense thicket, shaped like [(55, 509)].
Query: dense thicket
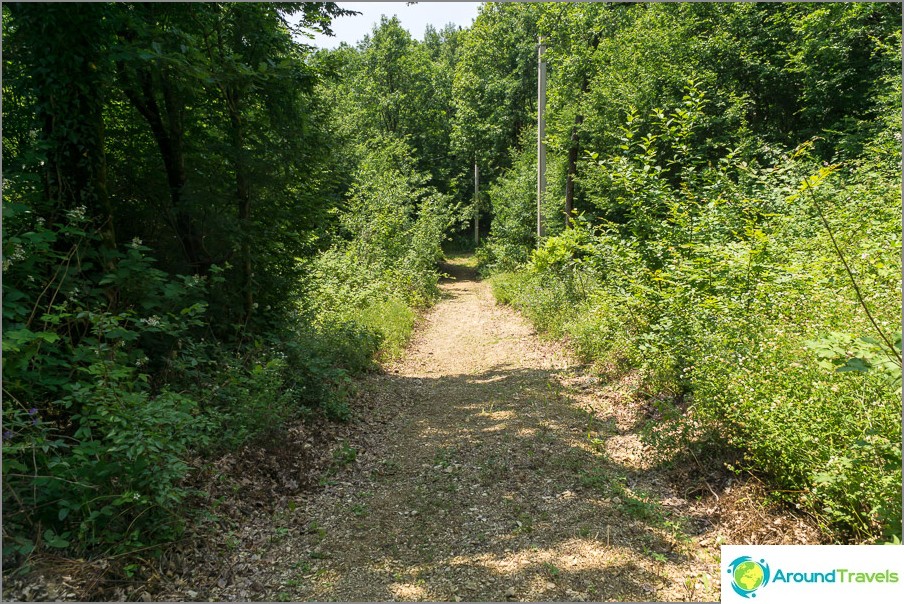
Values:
[(209, 226), (735, 174)]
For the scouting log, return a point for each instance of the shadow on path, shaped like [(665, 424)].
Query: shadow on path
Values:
[(480, 472), (497, 493), (457, 271)]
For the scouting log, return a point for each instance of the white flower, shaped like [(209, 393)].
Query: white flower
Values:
[(136, 242), (77, 214), (151, 321)]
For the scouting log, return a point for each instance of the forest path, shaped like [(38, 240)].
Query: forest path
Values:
[(491, 469)]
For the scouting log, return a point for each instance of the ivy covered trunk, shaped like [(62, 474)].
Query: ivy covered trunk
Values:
[(70, 77)]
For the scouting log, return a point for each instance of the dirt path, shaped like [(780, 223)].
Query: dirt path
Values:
[(485, 464), (491, 470)]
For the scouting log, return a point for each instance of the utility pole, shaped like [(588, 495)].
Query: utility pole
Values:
[(476, 204), (541, 132)]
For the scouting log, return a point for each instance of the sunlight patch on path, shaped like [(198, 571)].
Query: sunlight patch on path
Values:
[(477, 481)]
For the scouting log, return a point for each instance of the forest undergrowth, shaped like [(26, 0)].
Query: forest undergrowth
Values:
[(210, 228)]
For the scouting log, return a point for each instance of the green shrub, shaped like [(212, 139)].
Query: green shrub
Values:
[(394, 321), (93, 450), (722, 284), (112, 381), (363, 290)]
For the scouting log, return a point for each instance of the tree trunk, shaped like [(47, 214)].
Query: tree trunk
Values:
[(169, 135), (69, 86), (572, 170), (243, 197)]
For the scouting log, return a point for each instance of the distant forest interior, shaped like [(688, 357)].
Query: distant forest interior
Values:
[(223, 247)]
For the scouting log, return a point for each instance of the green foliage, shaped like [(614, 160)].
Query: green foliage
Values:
[(394, 86), (285, 210), (91, 444), (369, 281), (564, 253), (495, 84), (718, 279), (197, 133), (103, 407), (844, 352), (513, 198)]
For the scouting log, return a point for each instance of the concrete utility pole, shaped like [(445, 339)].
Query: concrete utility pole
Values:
[(476, 204), (541, 133)]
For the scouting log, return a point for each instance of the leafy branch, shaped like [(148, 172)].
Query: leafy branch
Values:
[(809, 185)]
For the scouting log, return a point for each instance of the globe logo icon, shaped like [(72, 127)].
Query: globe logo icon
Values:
[(748, 575)]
